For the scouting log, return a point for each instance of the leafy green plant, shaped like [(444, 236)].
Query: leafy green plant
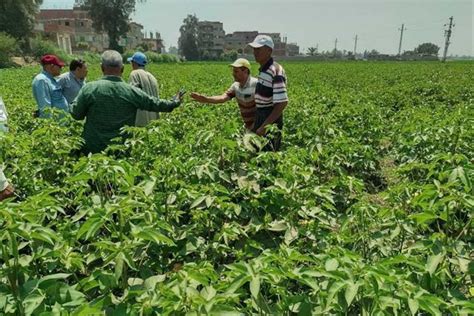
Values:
[(367, 210)]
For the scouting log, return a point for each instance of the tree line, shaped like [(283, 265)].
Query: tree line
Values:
[(425, 49)]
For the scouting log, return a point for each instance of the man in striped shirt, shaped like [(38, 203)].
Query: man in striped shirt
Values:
[(243, 90), (271, 96)]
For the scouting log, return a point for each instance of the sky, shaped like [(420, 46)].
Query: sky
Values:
[(311, 23)]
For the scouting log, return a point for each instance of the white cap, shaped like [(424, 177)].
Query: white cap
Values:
[(262, 40)]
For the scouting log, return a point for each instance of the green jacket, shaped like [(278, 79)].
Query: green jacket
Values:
[(110, 104)]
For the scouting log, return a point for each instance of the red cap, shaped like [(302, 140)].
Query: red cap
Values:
[(51, 60)]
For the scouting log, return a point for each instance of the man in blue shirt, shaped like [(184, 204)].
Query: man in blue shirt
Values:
[(46, 90), (71, 82)]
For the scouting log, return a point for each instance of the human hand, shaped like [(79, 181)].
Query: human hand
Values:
[(198, 97), (179, 95), (7, 193), (260, 131)]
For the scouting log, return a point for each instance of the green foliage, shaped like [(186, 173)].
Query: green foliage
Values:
[(188, 39), (366, 211), (17, 17), (89, 57), (8, 46), (152, 57), (40, 47), (312, 51), (427, 49), (161, 58), (229, 55)]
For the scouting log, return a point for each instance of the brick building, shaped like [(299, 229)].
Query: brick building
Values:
[(72, 30)]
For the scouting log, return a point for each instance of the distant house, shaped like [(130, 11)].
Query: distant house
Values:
[(71, 25), (58, 31), (72, 30), (211, 37), (238, 41), (134, 36), (154, 42), (292, 49)]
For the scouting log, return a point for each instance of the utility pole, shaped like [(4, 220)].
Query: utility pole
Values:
[(335, 47), (401, 39), (355, 45), (447, 34)]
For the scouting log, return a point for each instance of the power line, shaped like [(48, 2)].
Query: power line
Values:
[(355, 44), (447, 34), (401, 39)]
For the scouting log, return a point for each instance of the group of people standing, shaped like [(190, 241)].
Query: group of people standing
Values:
[(261, 100), (109, 104)]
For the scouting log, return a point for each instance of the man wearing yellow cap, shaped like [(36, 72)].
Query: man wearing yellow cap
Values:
[(243, 90)]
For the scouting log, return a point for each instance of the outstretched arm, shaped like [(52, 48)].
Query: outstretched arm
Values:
[(212, 100), (145, 102)]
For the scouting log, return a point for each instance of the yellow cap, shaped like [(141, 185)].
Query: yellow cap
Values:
[(241, 62)]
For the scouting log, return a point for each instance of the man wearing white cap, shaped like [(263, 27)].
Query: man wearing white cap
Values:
[(145, 81), (243, 90), (271, 96)]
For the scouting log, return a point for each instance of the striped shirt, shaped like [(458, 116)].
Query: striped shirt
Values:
[(271, 86), (245, 96)]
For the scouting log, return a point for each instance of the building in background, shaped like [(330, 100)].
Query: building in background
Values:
[(292, 49), (238, 41), (58, 31), (71, 25), (72, 30), (154, 42), (134, 36), (211, 38)]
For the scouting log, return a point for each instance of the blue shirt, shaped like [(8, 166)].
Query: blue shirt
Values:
[(48, 93), (70, 86)]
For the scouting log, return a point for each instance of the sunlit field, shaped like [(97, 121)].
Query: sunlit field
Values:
[(366, 210)]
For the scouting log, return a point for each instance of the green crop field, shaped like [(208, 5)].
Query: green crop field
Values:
[(366, 210)]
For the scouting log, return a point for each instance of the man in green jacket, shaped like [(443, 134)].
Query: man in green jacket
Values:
[(110, 104)]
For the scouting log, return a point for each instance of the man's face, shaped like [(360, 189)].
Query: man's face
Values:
[(54, 70), (240, 73), (262, 54), (81, 72)]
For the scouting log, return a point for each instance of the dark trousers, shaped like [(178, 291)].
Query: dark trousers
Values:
[(274, 138)]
